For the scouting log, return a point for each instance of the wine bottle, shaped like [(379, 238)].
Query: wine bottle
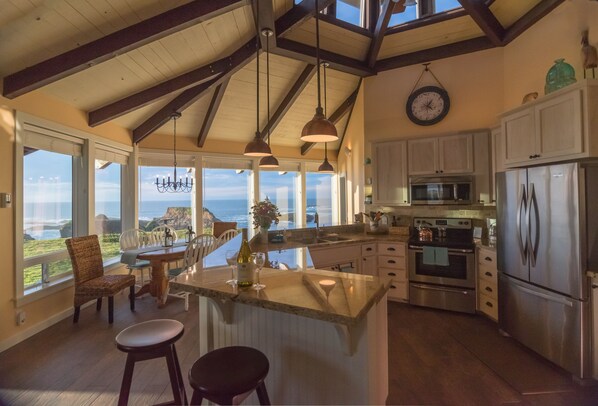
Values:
[(244, 264)]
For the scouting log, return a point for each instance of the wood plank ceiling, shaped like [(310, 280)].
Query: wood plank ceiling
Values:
[(135, 61)]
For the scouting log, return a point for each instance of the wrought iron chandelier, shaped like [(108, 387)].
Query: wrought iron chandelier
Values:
[(176, 185)]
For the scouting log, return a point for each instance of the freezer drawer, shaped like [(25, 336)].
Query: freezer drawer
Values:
[(555, 326), (442, 297)]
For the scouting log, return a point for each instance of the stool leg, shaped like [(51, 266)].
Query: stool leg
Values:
[(125, 387), (110, 309), (132, 297), (196, 398), (176, 380), (179, 373), (76, 314), (262, 394), (99, 304)]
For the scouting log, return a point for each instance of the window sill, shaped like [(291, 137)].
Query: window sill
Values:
[(44, 290)]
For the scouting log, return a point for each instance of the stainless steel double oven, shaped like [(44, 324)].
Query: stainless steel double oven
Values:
[(442, 268)]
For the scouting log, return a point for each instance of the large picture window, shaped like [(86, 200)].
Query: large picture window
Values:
[(321, 198), (281, 187), (108, 219)]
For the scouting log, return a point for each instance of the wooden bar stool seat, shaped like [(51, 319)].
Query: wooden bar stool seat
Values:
[(148, 340), (228, 375)]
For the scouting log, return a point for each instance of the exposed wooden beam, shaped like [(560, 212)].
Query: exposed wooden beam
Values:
[(483, 17), (298, 14), (432, 54), (427, 20), (335, 117), (211, 113), (197, 76), (266, 13), (379, 31), (530, 18), (289, 99), (119, 42), (349, 118), (307, 53)]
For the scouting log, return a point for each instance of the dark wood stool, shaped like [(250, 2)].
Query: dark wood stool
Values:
[(228, 375), (149, 340)]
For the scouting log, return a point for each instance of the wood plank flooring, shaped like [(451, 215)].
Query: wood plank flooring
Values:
[(435, 358)]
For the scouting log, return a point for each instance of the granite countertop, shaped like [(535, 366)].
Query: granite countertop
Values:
[(296, 291)]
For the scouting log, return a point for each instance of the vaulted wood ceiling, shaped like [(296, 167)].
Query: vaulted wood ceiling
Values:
[(135, 61)]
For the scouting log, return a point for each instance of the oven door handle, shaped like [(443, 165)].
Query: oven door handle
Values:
[(450, 250), (428, 287)]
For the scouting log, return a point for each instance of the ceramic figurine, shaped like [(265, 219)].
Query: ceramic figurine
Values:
[(588, 54)]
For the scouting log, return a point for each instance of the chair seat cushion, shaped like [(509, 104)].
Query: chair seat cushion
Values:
[(229, 371), (139, 264), (105, 285), (175, 272), (149, 334)]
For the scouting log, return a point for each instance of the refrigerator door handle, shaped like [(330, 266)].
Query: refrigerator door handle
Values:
[(533, 244), (528, 220), (557, 299), (522, 204)]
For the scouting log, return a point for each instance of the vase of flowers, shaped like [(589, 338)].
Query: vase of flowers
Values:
[(264, 213)]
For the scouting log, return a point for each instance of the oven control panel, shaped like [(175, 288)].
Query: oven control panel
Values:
[(460, 223)]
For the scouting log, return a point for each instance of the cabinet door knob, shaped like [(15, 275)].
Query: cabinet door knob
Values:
[(390, 249), (368, 249), (393, 287), (487, 273), (391, 274), (392, 261), (488, 289), (488, 259), (531, 157), (489, 304)]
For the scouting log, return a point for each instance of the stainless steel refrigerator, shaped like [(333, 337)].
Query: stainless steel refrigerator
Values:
[(547, 223)]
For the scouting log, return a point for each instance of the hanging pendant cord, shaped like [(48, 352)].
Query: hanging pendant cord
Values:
[(268, 82), (318, 50), (325, 113), (174, 119), (257, 57)]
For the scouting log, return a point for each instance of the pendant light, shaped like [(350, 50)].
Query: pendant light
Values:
[(257, 147), (319, 129), (269, 161), (175, 185), (326, 167)]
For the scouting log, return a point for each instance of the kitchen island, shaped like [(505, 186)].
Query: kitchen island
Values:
[(323, 348)]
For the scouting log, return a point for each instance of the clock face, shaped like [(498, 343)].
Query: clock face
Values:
[(428, 105)]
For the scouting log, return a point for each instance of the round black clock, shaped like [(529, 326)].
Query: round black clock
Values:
[(428, 105)]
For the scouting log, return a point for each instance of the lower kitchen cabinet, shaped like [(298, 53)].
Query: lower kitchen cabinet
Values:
[(345, 258), (487, 282), (392, 261), (369, 260)]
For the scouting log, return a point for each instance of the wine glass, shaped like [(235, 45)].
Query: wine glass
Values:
[(259, 259), (231, 260)]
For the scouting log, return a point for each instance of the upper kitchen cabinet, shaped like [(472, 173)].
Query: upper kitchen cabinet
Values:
[(559, 126), (441, 155), (390, 172)]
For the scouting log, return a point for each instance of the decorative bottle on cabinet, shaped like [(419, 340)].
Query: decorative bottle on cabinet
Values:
[(244, 264)]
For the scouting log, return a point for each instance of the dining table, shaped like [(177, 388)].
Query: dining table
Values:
[(157, 256)]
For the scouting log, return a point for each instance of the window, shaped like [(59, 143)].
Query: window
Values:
[(282, 188), (350, 11), (108, 219), (411, 13), (321, 198), (445, 5)]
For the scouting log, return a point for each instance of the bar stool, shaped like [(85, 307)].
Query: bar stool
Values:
[(228, 375), (148, 340)]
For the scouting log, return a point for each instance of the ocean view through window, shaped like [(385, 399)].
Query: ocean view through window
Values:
[(281, 187), (108, 217)]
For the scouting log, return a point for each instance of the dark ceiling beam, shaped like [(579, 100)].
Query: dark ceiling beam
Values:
[(117, 43), (307, 53), (184, 100), (350, 114), (149, 95), (266, 13), (432, 54), (483, 17), (335, 117), (530, 18), (298, 14), (379, 31), (288, 100), (211, 113)]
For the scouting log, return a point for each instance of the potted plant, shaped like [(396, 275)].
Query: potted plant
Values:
[(264, 213)]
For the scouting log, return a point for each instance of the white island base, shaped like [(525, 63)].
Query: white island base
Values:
[(311, 361)]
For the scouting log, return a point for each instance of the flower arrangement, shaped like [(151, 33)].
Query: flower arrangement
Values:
[(264, 214)]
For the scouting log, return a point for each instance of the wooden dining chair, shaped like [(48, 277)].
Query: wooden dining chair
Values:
[(198, 248), (156, 236), (226, 236), (132, 239), (90, 281), (219, 227)]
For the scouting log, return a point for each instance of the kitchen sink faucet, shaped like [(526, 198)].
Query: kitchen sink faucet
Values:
[(317, 221)]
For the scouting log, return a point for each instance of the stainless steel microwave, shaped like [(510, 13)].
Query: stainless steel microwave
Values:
[(441, 190)]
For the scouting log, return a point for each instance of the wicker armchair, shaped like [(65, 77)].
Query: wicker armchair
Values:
[(90, 281)]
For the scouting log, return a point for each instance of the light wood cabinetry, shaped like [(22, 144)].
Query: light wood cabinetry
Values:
[(487, 282), (594, 300), (442, 155), (498, 164), (392, 261), (369, 260), (560, 126), (337, 258), (390, 173)]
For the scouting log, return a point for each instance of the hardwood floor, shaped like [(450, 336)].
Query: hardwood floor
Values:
[(435, 357)]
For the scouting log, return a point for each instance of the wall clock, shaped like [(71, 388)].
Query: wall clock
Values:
[(428, 105)]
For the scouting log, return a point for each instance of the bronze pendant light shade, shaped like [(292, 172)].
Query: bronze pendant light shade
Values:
[(319, 129), (326, 166), (257, 147)]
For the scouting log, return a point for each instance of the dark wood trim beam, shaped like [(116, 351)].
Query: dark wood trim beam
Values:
[(432, 54), (427, 20), (349, 118), (335, 117), (211, 113), (149, 95), (529, 19), (289, 99), (332, 20), (298, 14), (483, 17), (266, 13), (307, 53), (114, 44), (379, 31)]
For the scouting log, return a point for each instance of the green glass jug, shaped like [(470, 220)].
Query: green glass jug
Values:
[(561, 74)]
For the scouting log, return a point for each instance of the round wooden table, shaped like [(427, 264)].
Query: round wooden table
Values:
[(158, 284)]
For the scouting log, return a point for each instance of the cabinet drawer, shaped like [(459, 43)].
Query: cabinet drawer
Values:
[(368, 249), (488, 273), (386, 261), (487, 257), (396, 249), (395, 274), (489, 306), (488, 288), (399, 291)]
